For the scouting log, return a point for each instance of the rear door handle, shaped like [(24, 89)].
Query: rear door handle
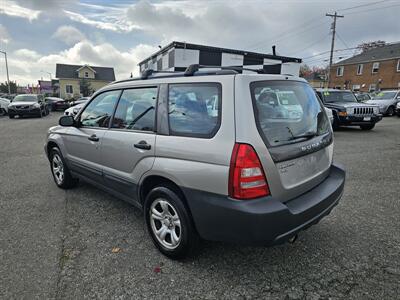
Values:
[(142, 145), (93, 138)]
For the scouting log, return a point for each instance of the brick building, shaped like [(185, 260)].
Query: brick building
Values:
[(373, 69)]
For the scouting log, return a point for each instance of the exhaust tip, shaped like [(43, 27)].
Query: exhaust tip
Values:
[(293, 239)]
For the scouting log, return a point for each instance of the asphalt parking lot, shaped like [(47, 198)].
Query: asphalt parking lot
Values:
[(58, 244)]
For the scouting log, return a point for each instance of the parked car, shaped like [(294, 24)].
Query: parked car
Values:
[(82, 100), (28, 105), (74, 110), (56, 103), (329, 113), (398, 109), (4, 102), (241, 172), (386, 100), (347, 111), (362, 97)]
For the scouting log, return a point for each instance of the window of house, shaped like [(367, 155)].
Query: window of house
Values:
[(194, 109), (375, 67), (86, 74), (99, 111), (398, 65), (372, 87), (356, 87), (69, 89), (340, 71), (136, 109), (360, 69)]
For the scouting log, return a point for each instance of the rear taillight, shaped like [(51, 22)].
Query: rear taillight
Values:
[(246, 177)]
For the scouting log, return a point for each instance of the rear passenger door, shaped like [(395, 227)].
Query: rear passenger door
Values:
[(128, 146)]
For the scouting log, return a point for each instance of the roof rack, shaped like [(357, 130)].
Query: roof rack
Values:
[(192, 69)]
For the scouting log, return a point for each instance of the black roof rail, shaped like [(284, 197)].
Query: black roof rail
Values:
[(192, 69), (147, 73)]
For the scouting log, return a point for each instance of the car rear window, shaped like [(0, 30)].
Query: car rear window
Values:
[(287, 112), (194, 109)]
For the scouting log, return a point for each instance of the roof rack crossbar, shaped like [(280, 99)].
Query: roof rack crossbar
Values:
[(190, 70), (147, 73)]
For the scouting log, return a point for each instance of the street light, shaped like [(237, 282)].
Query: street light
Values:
[(47, 73), (8, 78)]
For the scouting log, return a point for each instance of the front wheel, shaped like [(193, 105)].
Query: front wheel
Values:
[(169, 223), (390, 111), (61, 174), (11, 116), (2, 112), (367, 127)]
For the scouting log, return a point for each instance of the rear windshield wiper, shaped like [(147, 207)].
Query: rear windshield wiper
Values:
[(308, 135)]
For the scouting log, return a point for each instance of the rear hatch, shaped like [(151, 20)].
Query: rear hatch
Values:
[(289, 129)]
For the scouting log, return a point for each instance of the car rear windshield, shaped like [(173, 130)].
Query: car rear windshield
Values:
[(330, 97), (384, 95), (25, 98), (282, 121)]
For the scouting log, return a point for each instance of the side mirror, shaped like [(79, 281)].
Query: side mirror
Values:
[(66, 121)]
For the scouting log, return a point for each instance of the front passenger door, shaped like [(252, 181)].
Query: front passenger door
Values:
[(83, 143)]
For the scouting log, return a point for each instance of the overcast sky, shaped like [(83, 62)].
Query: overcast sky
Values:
[(37, 34)]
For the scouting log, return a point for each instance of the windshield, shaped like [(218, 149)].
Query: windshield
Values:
[(278, 121), (330, 97), (25, 98), (384, 95)]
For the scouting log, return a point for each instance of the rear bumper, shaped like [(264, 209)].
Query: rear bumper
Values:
[(266, 220), (353, 120)]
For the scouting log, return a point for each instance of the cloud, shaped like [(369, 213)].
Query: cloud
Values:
[(25, 65), (4, 36), (69, 35), (12, 9)]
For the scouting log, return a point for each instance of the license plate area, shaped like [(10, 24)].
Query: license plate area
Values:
[(367, 119)]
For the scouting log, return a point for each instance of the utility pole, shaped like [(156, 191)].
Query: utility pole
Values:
[(333, 27), (8, 78)]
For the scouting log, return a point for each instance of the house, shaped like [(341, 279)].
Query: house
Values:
[(374, 69), (77, 80), (177, 56)]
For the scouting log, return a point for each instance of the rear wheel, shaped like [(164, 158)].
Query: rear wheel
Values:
[(11, 116), (169, 222), (61, 174), (2, 112), (367, 127)]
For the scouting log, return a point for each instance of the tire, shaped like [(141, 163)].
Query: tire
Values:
[(2, 112), (390, 111), (40, 114), (171, 211), (367, 127), (11, 116), (66, 181)]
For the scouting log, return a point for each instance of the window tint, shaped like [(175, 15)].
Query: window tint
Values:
[(194, 109), (136, 109), (99, 111)]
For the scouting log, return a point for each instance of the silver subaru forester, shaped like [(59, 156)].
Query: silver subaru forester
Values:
[(216, 155)]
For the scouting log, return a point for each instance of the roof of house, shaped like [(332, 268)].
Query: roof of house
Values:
[(388, 51), (71, 71), (184, 45)]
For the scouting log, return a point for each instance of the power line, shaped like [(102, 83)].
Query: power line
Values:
[(373, 9), (340, 38), (314, 43), (363, 5)]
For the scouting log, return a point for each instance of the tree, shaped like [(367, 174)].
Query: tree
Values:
[(85, 87), (4, 87)]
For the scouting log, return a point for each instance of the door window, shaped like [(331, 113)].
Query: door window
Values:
[(99, 111), (136, 109), (194, 109)]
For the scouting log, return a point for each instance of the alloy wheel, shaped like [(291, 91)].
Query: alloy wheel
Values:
[(165, 223), (58, 168)]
